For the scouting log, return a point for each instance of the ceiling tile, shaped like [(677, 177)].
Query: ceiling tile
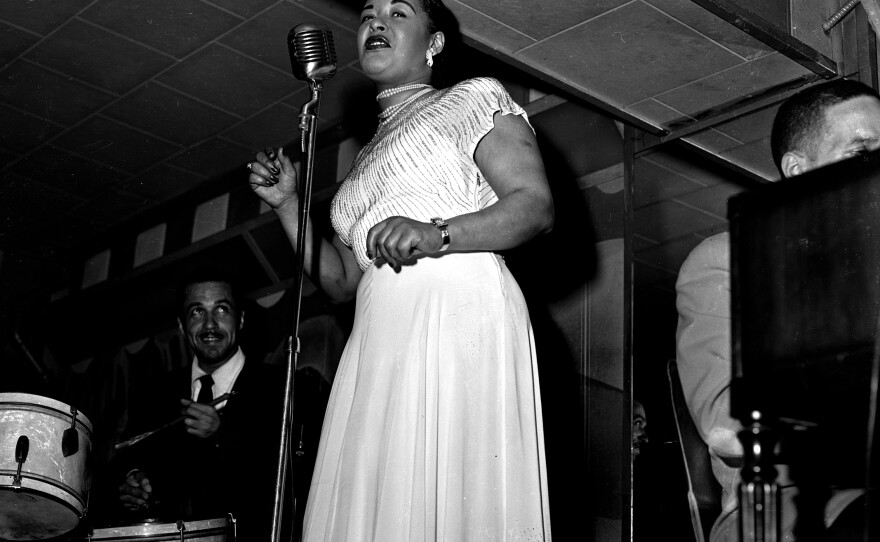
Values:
[(751, 127), (712, 199), (276, 126), (733, 84), (176, 27), (714, 140), (689, 164), (656, 113), (524, 16), (111, 207), (40, 17), (88, 52), (115, 144), (244, 8), (265, 37), (22, 196), (302, 94), (631, 54), (349, 97), (48, 95), (161, 183), (669, 220), (170, 114), (215, 157), (345, 12), (72, 231), (229, 80), (22, 132), (13, 42), (67, 171), (640, 243), (487, 30), (713, 27), (652, 183), (670, 255), (32, 236), (755, 157)]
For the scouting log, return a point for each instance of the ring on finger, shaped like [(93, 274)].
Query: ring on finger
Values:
[(250, 166)]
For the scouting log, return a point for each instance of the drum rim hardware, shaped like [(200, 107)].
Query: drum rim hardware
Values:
[(22, 446)]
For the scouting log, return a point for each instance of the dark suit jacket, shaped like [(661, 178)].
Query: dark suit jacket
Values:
[(233, 472)]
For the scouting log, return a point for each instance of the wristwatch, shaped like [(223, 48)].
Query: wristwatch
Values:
[(441, 225)]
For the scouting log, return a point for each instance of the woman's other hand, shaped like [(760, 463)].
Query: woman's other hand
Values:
[(397, 239), (273, 177)]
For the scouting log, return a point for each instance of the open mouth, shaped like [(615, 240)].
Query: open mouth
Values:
[(210, 338), (376, 42)]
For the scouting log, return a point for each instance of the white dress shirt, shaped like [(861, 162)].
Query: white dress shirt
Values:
[(224, 377)]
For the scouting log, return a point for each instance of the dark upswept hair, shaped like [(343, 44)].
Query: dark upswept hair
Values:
[(801, 118), (206, 273), (441, 19)]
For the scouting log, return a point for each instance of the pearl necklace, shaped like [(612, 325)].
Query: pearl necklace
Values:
[(388, 92), (389, 112)]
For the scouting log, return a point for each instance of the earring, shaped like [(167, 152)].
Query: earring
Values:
[(429, 58)]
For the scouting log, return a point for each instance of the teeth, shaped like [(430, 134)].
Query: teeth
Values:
[(376, 41)]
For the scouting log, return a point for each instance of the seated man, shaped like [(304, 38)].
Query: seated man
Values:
[(221, 459), (817, 126)]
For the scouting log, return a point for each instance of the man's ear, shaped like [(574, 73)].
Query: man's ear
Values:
[(793, 163), (438, 41), (241, 320), (180, 326)]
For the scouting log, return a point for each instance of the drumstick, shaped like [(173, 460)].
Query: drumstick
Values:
[(134, 440)]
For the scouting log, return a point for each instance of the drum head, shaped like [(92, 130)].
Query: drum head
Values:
[(16, 401), (209, 530), (28, 515)]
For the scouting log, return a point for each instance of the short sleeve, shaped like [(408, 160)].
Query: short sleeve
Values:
[(473, 103)]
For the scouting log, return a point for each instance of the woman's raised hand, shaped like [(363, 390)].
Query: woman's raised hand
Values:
[(273, 177)]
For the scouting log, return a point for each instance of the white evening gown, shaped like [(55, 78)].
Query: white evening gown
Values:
[(433, 430)]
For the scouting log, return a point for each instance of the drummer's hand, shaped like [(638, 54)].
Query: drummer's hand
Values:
[(136, 492), (201, 420)]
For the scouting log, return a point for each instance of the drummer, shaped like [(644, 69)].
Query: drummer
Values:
[(222, 458)]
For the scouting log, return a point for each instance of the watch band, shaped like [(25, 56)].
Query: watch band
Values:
[(441, 225)]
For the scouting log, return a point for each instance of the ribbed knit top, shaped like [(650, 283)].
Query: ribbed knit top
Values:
[(420, 164)]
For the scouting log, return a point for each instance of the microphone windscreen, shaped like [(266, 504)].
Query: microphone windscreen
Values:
[(312, 54)]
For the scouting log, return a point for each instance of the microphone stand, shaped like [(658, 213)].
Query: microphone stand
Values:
[(308, 126)]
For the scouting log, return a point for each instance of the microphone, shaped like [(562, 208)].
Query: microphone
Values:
[(312, 55)]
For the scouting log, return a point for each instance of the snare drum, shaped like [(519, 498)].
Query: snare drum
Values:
[(47, 496), (209, 530)]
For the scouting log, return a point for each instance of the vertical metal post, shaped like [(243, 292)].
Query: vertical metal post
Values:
[(308, 124)]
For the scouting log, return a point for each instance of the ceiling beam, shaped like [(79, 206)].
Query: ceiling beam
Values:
[(770, 34)]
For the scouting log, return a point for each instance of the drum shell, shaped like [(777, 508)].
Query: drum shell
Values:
[(209, 530), (53, 485)]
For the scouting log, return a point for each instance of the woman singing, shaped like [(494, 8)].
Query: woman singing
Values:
[(433, 430)]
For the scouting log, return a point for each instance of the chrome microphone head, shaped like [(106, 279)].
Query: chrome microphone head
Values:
[(312, 55)]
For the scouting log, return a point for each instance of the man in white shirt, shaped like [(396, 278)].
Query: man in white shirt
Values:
[(815, 127), (222, 459)]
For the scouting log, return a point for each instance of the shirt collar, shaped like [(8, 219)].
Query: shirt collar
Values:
[(224, 376)]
